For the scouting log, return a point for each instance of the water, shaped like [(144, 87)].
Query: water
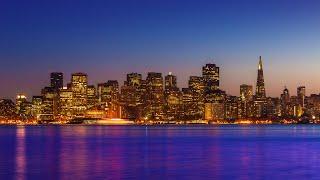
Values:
[(158, 152)]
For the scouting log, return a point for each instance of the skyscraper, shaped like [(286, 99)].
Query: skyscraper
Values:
[(112, 101), (285, 103), (301, 94), (37, 106), (260, 88), (134, 79), (170, 81), (245, 101), (172, 96), (92, 96), (50, 104), (79, 83), (246, 92), (66, 103), (131, 97), (23, 107), (56, 80), (155, 98), (210, 74), (260, 101)]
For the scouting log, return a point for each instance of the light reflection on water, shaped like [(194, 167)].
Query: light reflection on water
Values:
[(20, 169), (157, 152)]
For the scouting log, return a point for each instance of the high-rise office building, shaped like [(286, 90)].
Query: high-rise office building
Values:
[(301, 94), (214, 105), (196, 84), (20, 100), (112, 101), (246, 92), (79, 84), (245, 101), (23, 107), (37, 107), (155, 98), (134, 79), (190, 109), (231, 107), (210, 74), (260, 88), (91, 96), (131, 97), (66, 103), (50, 102), (56, 80), (260, 101), (172, 97), (7, 109), (285, 103), (170, 81)]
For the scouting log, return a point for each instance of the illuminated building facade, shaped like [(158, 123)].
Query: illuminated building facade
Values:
[(285, 103), (132, 97), (23, 107), (37, 107), (155, 96), (50, 107), (196, 86), (79, 84), (56, 80), (66, 103), (301, 94), (245, 104), (210, 74), (260, 103), (159, 100), (7, 109), (231, 107), (172, 97), (215, 105), (91, 96)]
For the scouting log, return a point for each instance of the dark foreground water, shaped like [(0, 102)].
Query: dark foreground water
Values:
[(171, 152)]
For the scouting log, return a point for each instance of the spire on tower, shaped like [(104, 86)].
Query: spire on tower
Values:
[(260, 89), (260, 63)]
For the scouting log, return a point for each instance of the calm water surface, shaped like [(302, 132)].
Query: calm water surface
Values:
[(158, 152)]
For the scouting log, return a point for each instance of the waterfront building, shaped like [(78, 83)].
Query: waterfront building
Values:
[(23, 107), (91, 96), (196, 86), (214, 105), (7, 109), (79, 84), (285, 103), (37, 107), (131, 97), (50, 108), (172, 97), (66, 103), (231, 107), (112, 101), (245, 104), (273, 107), (154, 97), (260, 103), (301, 94)]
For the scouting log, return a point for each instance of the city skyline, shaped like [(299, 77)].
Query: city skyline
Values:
[(108, 39), (144, 75)]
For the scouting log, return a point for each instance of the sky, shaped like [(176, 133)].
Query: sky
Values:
[(109, 38)]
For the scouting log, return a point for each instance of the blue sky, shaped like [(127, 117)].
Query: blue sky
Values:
[(110, 38)]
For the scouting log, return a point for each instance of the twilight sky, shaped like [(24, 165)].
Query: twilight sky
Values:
[(109, 38)]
